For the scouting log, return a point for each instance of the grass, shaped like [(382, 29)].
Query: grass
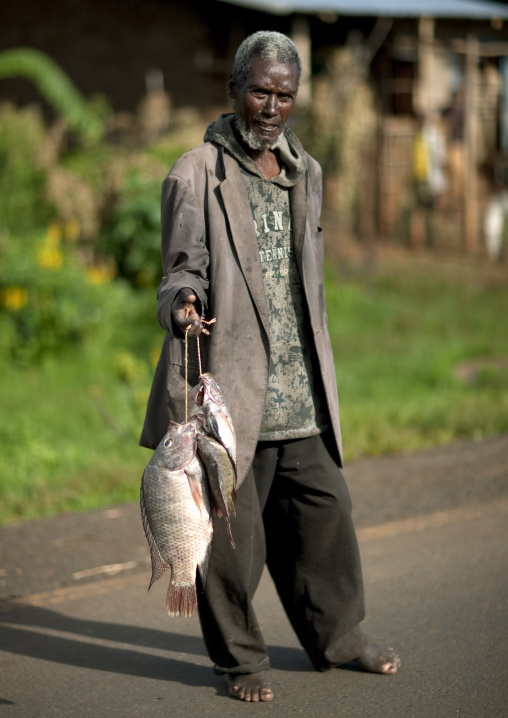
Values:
[(69, 428), (398, 337)]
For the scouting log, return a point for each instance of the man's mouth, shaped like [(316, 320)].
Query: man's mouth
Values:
[(267, 126)]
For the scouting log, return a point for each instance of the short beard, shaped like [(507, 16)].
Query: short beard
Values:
[(251, 140)]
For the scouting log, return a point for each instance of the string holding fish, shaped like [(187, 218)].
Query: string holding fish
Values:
[(216, 438), (191, 474), (204, 321), (205, 331)]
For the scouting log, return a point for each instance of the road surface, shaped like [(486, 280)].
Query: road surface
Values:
[(80, 635)]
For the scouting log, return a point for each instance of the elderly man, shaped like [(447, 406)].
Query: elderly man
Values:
[(241, 242)]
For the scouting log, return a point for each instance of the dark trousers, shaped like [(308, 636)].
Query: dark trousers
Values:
[(294, 514)]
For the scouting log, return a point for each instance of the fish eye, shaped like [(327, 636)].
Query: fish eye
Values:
[(167, 443)]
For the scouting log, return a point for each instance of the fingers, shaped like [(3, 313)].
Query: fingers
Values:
[(185, 314), (185, 295)]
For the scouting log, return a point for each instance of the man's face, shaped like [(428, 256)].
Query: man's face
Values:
[(264, 103)]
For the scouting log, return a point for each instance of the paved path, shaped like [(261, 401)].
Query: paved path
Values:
[(80, 639)]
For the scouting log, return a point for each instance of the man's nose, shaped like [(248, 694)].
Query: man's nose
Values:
[(271, 107)]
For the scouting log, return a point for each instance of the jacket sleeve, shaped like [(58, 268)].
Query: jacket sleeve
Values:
[(184, 253), (316, 183)]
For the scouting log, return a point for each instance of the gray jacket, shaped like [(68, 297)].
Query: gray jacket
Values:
[(209, 244)]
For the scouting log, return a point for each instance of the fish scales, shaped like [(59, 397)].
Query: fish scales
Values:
[(211, 410), (221, 477), (176, 515)]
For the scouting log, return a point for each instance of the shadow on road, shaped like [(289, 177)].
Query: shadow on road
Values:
[(28, 631), (38, 633)]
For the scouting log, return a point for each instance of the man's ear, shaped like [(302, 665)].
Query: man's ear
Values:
[(231, 88)]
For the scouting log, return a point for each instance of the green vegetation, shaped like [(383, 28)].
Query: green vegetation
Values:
[(79, 269), (22, 178), (398, 341), (70, 423), (56, 88)]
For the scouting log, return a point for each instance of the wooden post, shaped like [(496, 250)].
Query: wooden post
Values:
[(300, 33), (471, 218), (423, 94)]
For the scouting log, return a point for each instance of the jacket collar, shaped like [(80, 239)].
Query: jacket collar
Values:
[(291, 153)]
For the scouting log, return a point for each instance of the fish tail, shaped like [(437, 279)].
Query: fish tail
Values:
[(181, 601)]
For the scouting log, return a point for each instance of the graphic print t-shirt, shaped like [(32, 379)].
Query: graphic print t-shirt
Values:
[(293, 407)]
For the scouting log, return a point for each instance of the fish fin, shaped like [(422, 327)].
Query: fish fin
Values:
[(231, 539), (195, 488), (212, 472), (159, 566), (231, 507), (232, 458), (181, 601), (213, 425)]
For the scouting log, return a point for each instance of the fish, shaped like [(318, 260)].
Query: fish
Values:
[(221, 477), (210, 409), (176, 515)]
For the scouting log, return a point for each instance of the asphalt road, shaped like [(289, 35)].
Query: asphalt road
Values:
[(80, 636)]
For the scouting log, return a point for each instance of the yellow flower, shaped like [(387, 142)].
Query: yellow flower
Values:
[(72, 230), (48, 258), (13, 298), (100, 274)]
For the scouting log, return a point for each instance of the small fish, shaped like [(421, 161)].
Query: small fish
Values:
[(211, 410), (176, 515), (221, 477)]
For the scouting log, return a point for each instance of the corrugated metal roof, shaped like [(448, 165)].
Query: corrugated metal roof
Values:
[(467, 9)]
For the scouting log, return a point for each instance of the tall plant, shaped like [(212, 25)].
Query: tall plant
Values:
[(56, 88)]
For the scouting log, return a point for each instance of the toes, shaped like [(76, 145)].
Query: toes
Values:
[(392, 663), (266, 694), (250, 688), (376, 659), (388, 668)]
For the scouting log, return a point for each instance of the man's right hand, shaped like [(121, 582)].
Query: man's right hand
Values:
[(184, 312)]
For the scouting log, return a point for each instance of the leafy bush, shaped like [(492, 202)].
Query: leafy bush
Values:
[(132, 233), (49, 301), (22, 178)]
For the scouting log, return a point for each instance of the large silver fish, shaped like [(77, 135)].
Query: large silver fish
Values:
[(176, 515), (211, 410)]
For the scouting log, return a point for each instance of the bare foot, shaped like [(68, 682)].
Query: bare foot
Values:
[(250, 687), (378, 659)]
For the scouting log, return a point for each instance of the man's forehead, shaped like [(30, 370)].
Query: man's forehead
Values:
[(271, 70)]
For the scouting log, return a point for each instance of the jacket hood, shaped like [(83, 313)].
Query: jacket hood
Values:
[(291, 152)]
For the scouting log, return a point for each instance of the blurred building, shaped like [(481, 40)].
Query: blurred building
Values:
[(436, 72)]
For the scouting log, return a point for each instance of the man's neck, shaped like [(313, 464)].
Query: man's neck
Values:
[(266, 160)]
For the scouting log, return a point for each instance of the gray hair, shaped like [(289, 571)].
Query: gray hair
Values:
[(266, 45)]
